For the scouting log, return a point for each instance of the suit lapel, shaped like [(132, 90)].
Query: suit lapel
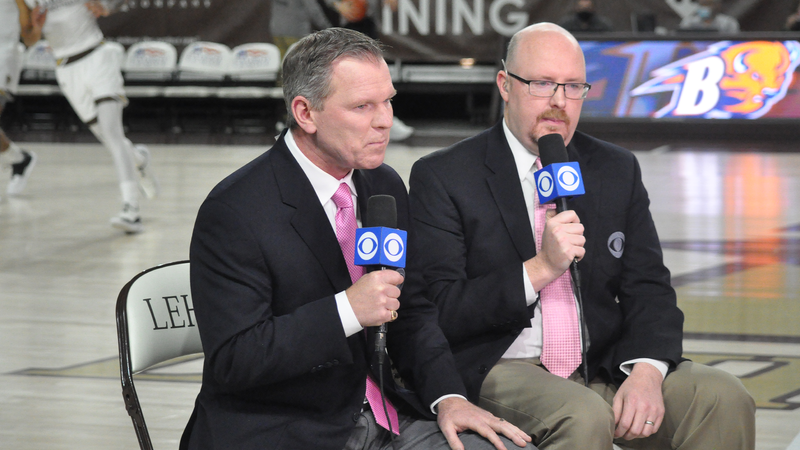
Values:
[(507, 193), (309, 219), (586, 206)]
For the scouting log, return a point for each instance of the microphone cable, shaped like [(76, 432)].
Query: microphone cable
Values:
[(380, 349)]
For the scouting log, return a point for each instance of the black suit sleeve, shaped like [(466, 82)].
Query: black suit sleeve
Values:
[(476, 286), (247, 344)]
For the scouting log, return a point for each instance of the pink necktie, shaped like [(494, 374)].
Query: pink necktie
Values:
[(561, 347), (346, 235)]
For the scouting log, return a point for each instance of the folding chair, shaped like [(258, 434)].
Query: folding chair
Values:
[(150, 61), (255, 61), (155, 323), (119, 51), (149, 67), (39, 62), (203, 61)]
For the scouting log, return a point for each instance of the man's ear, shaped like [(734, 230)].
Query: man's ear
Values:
[(502, 84), (303, 114)]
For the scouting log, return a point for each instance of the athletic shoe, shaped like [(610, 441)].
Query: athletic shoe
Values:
[(20, 172), (128, 220), (400, 131), (148, 183)]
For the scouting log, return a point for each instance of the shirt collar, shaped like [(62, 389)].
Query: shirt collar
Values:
[(524, 159), (323, 183)]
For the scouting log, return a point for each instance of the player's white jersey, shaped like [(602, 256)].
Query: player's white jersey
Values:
[(9, 23), (10, 54), (70, 27)]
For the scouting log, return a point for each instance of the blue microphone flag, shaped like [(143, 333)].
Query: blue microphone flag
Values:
[(559, 180), (381, 246)]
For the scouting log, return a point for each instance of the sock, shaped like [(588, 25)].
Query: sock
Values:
[(130, 193)]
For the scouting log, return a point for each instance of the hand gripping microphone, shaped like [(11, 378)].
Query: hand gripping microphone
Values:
[(379, 246), (557, 181)]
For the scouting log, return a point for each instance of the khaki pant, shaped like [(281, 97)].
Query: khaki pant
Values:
[(706, 408)]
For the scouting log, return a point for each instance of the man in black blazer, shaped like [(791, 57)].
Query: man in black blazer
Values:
[(473, 211), (282, 324)]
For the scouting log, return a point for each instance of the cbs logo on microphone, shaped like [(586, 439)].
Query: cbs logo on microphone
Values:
[(380, 246), (559, 180)]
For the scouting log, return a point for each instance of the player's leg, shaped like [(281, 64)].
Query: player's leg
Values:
[(20, 162), (108, 130)]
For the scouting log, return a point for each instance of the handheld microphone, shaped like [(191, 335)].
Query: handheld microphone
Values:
[(380, 246), (558, 180)]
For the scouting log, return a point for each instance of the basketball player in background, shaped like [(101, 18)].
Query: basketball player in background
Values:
[(89, 75), (19, 161)]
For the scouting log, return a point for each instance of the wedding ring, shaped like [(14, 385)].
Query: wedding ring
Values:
[(394, 316), (647, 422)]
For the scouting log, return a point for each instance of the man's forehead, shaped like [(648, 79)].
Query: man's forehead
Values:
[(542, 54)]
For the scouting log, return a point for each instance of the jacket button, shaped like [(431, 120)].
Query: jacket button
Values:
[(483, 369), (356, 416)]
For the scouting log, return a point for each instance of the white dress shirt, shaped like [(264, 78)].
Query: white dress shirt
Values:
[(529, 343), (325, 185)]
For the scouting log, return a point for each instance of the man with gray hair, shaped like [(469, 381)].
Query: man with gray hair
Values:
[(288, 322)]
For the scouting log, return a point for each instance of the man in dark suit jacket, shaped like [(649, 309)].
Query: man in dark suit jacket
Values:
[(473, 208), (281, 322)]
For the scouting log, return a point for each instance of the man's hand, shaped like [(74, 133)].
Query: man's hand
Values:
[(38, 18), (457, 415), (562, 242), (639, 400), (97, 9), (374, 297)]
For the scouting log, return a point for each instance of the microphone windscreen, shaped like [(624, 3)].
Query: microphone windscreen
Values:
[(381, 212), (552, 149)]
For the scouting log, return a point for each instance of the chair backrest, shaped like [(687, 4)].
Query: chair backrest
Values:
[(119, 51), (204, 61), (155, 323), (259, 61), (150, 60), (38, 62)]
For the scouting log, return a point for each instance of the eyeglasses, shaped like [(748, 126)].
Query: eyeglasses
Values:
[(543, 88)]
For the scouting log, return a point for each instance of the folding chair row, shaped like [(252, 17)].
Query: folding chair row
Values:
[(158, 62)]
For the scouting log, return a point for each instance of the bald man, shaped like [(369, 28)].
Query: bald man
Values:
[(495, 273)]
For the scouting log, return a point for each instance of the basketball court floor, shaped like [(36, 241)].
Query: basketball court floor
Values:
[(728, 218)]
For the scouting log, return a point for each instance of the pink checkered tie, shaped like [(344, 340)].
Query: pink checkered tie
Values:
[(346, 235), (561, 346)]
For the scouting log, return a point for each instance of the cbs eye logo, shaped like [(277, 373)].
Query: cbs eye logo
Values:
[(393, 247), (568, 178), (367, 245), (545, 184)]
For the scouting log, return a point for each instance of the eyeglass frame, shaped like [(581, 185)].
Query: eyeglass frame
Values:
[(586, 86)]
